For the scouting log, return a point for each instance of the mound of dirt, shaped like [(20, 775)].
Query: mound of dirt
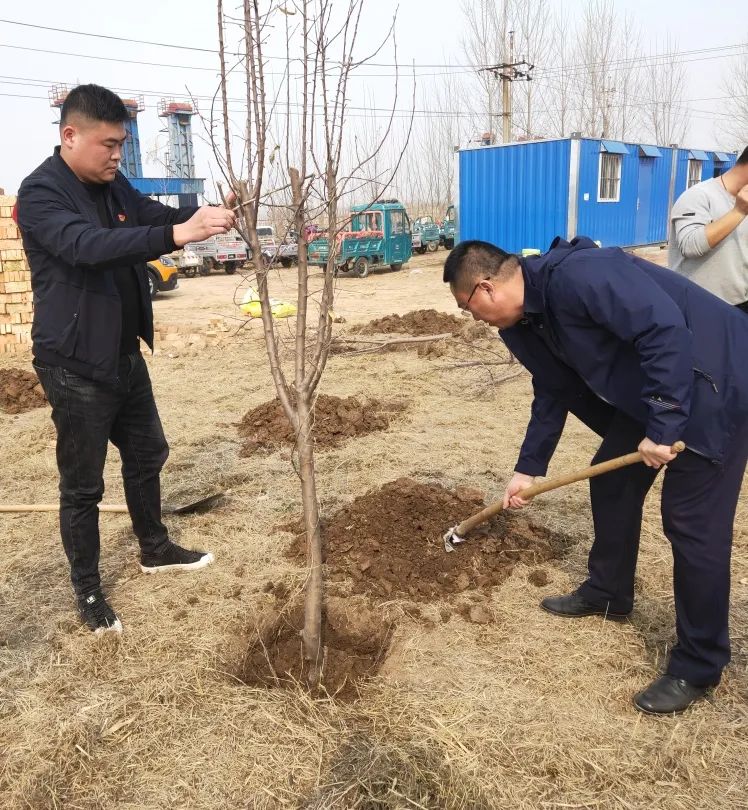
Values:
[(388, 542), (355, 642), (335, 420), (20, 391), (416, 323)]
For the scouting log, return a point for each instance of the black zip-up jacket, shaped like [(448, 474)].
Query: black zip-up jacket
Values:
[(77, 308)]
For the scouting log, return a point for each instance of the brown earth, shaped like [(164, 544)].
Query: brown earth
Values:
[(335, 420), (20, 391), (389, 543), (416, 323), (355, 644)]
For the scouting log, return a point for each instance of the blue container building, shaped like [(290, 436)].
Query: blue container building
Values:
[(522, 195)]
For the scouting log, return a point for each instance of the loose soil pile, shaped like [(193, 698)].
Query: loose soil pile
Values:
[(461, 334), (388, 542), (335, 420), (416, 323), (355, 644), (20, 391)]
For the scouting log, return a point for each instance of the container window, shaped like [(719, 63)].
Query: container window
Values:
[(694, 173), (609, 189)]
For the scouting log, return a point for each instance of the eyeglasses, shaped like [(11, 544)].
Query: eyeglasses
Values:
[(464, 307)]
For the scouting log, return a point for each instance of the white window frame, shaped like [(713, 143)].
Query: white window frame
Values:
[(692, 164), (617, 161)]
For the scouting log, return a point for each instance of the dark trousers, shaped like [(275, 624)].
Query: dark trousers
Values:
[(699, 499), (87, 416)]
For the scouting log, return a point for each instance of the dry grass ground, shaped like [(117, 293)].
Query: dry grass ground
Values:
[(523, 712)]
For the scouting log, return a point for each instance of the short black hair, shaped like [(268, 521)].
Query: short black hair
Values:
[(476, 259), (743, 159), (95, 103)]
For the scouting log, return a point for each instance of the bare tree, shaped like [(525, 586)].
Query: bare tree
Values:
[(325, 36), (627, 106), (665, 116), (532, 24), (735, 86), (485, 44)]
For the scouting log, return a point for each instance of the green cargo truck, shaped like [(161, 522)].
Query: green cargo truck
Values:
[(449, 228), (425, 235), (379, 236)]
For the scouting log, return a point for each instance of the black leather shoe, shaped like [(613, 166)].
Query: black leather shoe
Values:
[(574, 606), (668, 695)]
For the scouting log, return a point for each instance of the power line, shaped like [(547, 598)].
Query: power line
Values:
[(108, 36), (32, 82), (454, 66), (215, 70)]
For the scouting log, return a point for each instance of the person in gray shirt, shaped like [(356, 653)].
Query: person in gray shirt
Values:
[(709, 234)]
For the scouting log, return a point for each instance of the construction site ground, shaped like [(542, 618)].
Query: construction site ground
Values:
[(457, 691)]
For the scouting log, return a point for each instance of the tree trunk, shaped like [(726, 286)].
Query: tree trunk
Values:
[(312, 633)]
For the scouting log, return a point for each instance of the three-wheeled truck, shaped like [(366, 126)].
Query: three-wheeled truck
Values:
[(448, 229), (379, 236), (426, 235)]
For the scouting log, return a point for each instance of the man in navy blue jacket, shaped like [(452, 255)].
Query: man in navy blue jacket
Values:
[(87, 234), (645, 358)]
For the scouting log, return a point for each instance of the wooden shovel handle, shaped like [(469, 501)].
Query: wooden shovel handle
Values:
[(554, 483), (55, 507)]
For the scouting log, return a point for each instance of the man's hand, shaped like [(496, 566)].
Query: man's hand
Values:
[(741, 201), (512, 498), (655, 455), (206, 222)]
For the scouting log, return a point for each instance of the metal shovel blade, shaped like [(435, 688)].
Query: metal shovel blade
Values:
[(202, 505)]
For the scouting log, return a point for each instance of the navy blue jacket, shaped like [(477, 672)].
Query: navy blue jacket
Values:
[(604, 326), (77, 309)]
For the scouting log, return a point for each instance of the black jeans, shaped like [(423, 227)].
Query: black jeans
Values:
[(699, 499), (87, 416)]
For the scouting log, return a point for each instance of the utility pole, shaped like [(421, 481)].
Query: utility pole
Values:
[(509, 72), (506, 98), (607, 104)]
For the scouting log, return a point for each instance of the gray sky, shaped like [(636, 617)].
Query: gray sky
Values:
[(427, 33)]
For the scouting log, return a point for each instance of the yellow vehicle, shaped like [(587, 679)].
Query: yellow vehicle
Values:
[(163, 275)]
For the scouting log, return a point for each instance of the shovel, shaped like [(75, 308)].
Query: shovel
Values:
[(456, 535), (201, 505)]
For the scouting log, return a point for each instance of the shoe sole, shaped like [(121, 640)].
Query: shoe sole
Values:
[(652, 713), (113, 628), (157, 569), (613, 617)]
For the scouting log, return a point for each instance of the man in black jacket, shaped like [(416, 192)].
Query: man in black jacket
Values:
[(87, 234)]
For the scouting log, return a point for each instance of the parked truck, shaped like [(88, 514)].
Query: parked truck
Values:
[(188, 262), (449, 228), (425, 235), (223, 252), (379, 236)]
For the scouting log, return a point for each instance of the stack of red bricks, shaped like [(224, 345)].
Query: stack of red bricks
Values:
[(16, 308)]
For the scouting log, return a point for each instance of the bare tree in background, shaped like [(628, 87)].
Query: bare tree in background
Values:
[(316, 178), (485, 44), (532, 24), (665, 116), (629, 80), (595, 86), (609, 83), (428, 173), (556, 84), (735, 85)]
